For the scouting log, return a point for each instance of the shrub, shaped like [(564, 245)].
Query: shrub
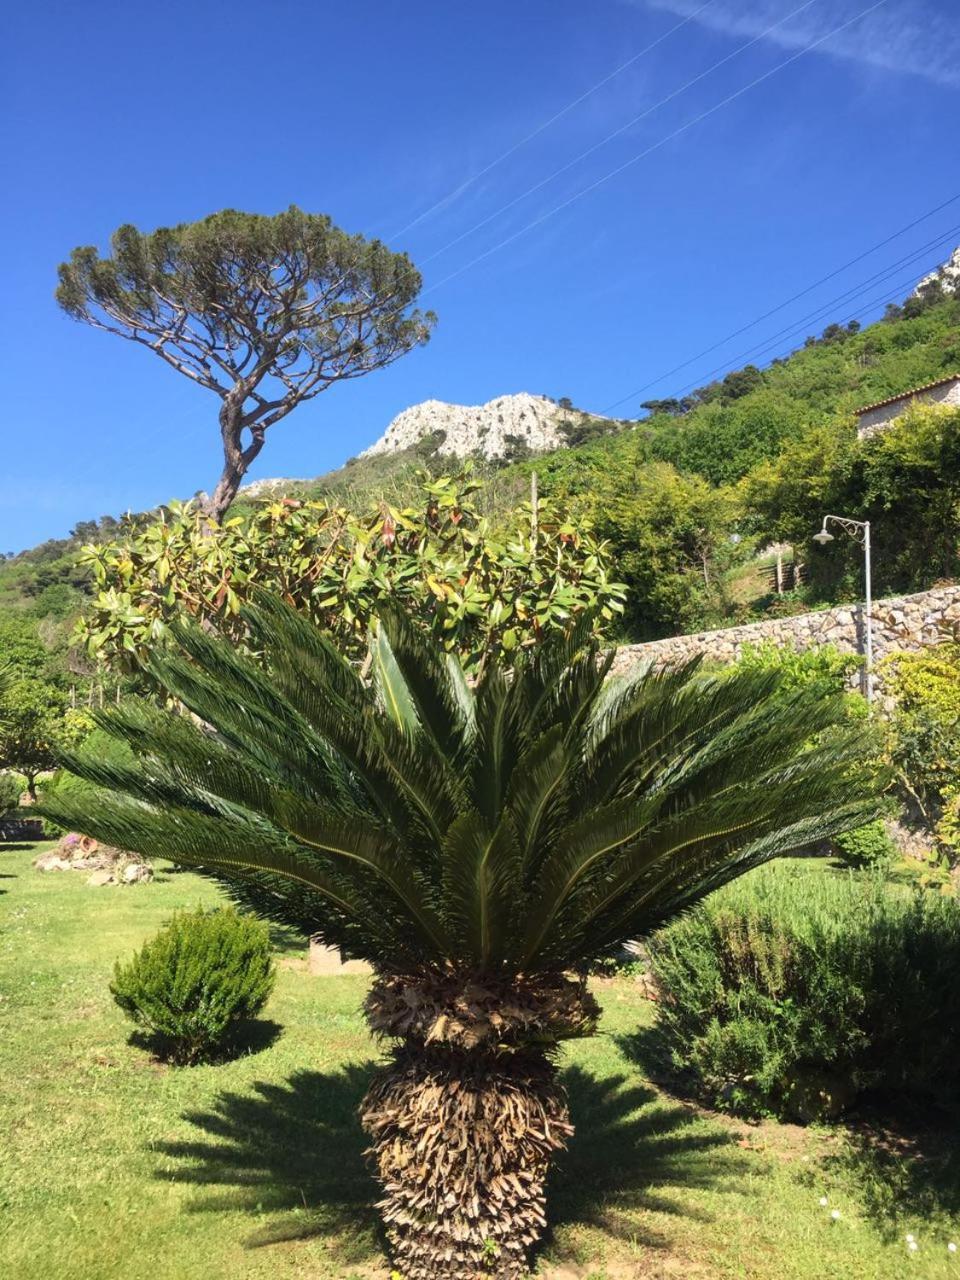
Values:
[(824, 666), (10, 788), (867, 846), (925, 736), (481, 588), (195, 983), (795, 990)]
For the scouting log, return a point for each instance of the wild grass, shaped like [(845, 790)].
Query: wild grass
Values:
[(118, 1168)]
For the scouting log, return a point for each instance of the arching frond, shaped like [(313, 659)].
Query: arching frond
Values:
[(519, 826)]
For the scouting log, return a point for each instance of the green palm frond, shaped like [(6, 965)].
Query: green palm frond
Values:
[(524, 824)]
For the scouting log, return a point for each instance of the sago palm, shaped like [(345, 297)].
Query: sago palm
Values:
[(478, 846)]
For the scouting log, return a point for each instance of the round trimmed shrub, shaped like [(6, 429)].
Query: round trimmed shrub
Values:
[(866, 846), (195, 984)]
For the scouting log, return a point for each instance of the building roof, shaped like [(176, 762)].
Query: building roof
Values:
[(905, 395)]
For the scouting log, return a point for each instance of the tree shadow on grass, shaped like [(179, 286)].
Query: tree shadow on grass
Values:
[(902, 1157), (905, 1163), (647, 1049), (288, 941), (292, 1154), (632, 1151)]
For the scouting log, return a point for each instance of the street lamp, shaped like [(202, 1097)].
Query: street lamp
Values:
[(859, 530)]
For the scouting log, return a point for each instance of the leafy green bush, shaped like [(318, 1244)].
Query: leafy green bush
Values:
[(10, 788), (925, 737), (824, 666), (195, 983), (794, 990), (867, 846), (481, 588)]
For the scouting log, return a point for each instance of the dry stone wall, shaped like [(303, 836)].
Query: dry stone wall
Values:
[(904, 622)]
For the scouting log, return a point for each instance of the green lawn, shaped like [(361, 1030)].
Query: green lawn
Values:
[(117, 1168)]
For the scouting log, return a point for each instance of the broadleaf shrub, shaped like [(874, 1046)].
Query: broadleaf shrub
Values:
[(195, 983), (794, 990), (824, 666), (482, 589)]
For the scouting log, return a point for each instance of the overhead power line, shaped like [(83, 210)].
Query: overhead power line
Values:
[(538, 186), (541, 128), (676, 133), (862, 308), (782, 305), (824, 309)]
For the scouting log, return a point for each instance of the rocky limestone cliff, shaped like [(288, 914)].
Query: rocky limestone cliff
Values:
[(948, 275), (264, 488), (493, 429)]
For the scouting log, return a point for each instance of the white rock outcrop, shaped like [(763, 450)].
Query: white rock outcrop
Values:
[(489, 429), (948, 274), (279, 485)]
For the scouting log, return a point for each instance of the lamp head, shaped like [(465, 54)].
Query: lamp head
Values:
[(823, 537)]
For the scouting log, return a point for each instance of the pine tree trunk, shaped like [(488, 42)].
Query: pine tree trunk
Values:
[(462, 1141)]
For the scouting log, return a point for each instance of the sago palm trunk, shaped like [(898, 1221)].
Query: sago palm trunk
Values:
[(466, 1118), (462, 1143)]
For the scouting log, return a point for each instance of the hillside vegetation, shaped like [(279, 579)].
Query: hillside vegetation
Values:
[(690, 493)]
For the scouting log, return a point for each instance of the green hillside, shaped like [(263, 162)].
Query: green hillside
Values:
[(689, 493)]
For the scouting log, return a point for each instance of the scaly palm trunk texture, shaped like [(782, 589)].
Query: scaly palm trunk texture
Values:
[(462, 1143), (466, 1118)]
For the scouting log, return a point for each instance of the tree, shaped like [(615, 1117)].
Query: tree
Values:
[(477, 845), (741, 382), (671, 407), (669, 537), (29, 725), (723, 441), (907, 482), (265, 312)]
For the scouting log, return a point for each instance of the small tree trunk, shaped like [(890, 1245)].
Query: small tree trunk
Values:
[(463, 1141), (236, 459)]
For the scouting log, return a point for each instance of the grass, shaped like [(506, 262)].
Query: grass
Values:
[(117, 1168)]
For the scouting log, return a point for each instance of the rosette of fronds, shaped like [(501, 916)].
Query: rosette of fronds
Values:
[(478, 846)]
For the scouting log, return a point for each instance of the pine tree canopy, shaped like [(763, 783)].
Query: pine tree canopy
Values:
[(523, 825), (264, 311)]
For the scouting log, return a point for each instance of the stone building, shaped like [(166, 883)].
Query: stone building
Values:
[(874, 417)]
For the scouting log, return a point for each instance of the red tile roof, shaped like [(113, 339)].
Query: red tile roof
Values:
[(906, 395)]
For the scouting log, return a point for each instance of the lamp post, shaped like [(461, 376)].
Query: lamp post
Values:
[(859, 530)]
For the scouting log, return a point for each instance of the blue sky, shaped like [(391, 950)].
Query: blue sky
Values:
[(667, 204)]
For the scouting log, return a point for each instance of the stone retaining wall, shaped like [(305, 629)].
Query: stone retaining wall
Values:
[(904, 622), (21, 829)]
